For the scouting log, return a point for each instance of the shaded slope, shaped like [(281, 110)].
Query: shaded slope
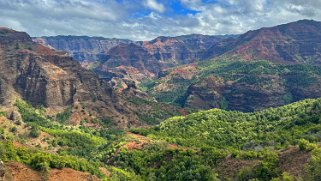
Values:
[(238, 85)]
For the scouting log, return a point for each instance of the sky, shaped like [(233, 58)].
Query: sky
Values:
[(147, 19)]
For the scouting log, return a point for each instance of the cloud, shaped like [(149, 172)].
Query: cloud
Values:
[(141, 20), (153, 4), (238, 16)]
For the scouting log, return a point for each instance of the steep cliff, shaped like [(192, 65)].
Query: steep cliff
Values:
[(3, 91), (81, 48), (44, 77)]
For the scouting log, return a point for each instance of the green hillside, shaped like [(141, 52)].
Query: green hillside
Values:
[(221, 129), (273, 144), (259, 137)]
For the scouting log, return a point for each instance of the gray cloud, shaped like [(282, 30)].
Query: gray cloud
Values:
[(112, 18)]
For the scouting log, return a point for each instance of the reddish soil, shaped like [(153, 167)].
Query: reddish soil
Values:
[(293, 161), (229, 167), (105, 171), (183, 112), (68, 174), (139, 142), (20, 172), (17, 144), (185, 72), (79, 114), (133, 145), (42, 50)]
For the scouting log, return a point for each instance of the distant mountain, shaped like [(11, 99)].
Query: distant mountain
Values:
[(147, 57), (293, 42), (81, 48)]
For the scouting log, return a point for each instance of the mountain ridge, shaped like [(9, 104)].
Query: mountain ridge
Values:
[(45, 77)]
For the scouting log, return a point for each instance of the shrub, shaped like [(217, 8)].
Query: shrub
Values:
[(313, 168), (13, 129), (35, 132), (305, 145)]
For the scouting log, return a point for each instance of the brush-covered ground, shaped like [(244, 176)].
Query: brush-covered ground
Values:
[(273, 144)]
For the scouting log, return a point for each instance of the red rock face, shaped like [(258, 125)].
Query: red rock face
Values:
[(153, 57), (149, 57), (294, 42)]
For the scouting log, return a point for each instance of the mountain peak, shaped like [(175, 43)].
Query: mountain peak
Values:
[(8, 35), (292, 42), (6, 30), (307, 21)]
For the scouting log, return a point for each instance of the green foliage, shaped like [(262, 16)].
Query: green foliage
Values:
[(157, 163), (305, 145), (64, 116), (7, 151), (44, 161), (147, 84), (32, 115), (285, 177), (314, 167), (156, 112), (13, 129), (2, 113), (1, 131), (77, 142), (288, 98), (34, 132), (214, 134), (175, 95), (268, 168), (224, 103), (221, 129), (120, 174)]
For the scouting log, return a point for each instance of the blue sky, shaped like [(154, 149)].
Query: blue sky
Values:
[(147, 19)]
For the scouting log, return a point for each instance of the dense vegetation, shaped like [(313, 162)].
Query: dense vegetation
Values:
[(212, 135), (221, 129), (194, 147), (43, 161)]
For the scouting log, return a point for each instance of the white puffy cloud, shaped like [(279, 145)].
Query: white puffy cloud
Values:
[(147, 19), (153, 4)]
